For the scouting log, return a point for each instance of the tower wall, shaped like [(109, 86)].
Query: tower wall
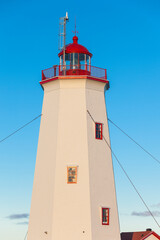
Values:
[(40, 220), (102, 186), (67, 138)]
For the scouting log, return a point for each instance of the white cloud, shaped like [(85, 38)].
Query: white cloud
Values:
[(146, 214), (18, 216)]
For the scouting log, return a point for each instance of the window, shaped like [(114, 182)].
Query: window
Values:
[(98, 129), (105, 216), (71, 174)]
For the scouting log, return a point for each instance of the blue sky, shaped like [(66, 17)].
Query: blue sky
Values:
[(124, 37)]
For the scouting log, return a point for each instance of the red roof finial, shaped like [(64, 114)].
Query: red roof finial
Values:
[(75, 39)]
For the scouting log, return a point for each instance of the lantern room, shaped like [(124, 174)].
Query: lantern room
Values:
[(75, 59)]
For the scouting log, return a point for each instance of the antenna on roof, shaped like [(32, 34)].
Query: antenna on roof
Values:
[(62, 35), (75, 28), (62, 31)]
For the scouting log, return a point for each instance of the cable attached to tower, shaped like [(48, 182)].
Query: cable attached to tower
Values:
[(126, 174), (26, 235), (2, 140), (151, 155), (146, 151)]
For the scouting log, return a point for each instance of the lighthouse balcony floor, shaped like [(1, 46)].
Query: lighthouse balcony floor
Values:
[(69, 70)]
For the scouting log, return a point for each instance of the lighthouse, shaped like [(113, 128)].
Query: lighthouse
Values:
[(74, 194)]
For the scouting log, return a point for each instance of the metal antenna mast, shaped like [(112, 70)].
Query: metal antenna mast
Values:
[(75, 28), (62, 37)]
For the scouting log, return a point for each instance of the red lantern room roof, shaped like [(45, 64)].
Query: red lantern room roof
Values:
[(75, 47)]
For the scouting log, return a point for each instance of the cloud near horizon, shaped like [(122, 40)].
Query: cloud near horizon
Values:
[(146, 214), (156, 205), (18, 216), (22, 223)]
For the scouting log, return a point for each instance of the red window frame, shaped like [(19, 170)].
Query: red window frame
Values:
[(98, 132), (105, 218)]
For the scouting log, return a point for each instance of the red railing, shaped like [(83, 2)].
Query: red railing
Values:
[(60, 70)]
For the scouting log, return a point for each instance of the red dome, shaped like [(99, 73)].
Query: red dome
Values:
[(75, 48)]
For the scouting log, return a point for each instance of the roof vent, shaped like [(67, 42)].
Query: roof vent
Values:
[(149, 229)]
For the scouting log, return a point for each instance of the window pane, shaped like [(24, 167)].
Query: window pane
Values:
[(81, 57), (76, 60), (98, 130), (67, 56), (71, 58), (105, 216), (72, 174), (82, 60)]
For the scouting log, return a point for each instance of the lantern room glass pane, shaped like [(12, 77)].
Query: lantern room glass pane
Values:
[(67, 59), (67, 56), (71, 63), (74, 60), (81, 57), (82, 61), (87, 59)]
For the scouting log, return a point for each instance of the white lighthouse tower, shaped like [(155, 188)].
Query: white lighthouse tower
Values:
[(74, 191)]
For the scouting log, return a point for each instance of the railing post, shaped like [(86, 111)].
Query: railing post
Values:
[(43, 77), (55, 66), (64, 69), (86, 67), (105, 73), (90, 64)]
